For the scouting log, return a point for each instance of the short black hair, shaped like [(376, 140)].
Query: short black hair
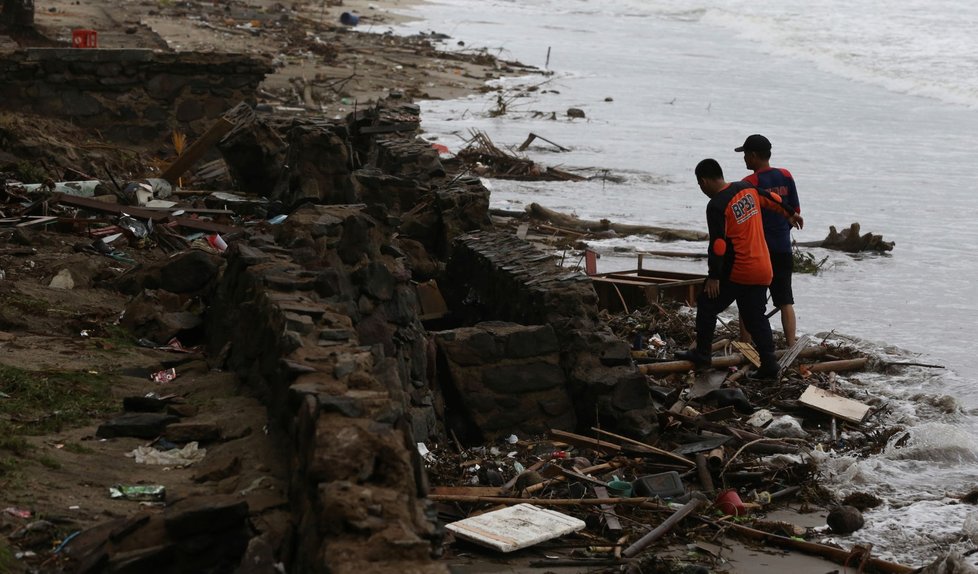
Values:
[(709, 168)]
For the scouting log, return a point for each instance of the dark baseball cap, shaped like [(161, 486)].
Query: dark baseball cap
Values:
[(755, 142)]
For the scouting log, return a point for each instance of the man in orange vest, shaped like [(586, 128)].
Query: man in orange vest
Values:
[(739, 263)]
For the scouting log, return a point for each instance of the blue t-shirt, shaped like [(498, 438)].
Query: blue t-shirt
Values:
[(777, 229)]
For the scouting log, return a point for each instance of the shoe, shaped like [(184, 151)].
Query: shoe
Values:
[(698, 359), (767, 371)]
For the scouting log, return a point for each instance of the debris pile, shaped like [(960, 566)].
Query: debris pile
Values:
[(726, 452), (482, 157)]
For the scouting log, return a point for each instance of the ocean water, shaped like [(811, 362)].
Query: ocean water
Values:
[(873, 107)]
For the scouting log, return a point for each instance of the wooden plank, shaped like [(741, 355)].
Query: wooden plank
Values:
[(515, 527), (582, 441), (748, 351), (143, 213), (835, 405), (466, 490)]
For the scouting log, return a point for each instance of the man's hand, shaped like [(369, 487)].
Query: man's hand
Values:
[(712, 288), (797, 221)]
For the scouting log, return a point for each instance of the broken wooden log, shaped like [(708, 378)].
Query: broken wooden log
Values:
[(732, 360), (837, 555), (850, 241), (857, 364), (561, 220), (703, 471), (664, 528)]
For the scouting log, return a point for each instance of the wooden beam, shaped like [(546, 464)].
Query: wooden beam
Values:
[(189, 157)]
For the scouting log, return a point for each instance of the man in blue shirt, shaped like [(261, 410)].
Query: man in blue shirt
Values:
[(777, 230)]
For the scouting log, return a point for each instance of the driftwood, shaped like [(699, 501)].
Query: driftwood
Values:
[(570, 222), (837, 555), (850, 241), (732, 360), (484, 158)]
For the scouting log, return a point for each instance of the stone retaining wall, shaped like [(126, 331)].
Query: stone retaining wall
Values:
[(322, 321), (132, 95), (494, 276)]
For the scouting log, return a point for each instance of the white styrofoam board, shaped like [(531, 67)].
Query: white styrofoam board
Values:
[(515, 527)]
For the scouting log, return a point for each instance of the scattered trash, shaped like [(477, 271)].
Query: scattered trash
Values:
[(217, 242), (134, 226), (663, 485), (18, 512), (729, 502), (164, 376), (185, 456), (153, 492)]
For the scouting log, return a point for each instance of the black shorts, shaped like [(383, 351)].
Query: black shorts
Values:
[(783, 264)]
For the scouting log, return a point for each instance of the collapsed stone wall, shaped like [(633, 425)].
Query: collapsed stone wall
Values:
[(129, 95)]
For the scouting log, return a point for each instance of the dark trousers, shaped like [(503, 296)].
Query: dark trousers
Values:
[(751, 302)]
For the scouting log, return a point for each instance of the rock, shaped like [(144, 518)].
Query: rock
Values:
[(139, 425), (215, 468), (526, 479), (575, 113), (190, 272), (730, 397), (862, 500), (141, 404), (189, 432), (785, 427), (63, 280), (183, 410), (259, 558), (845, 520), (191, 516)]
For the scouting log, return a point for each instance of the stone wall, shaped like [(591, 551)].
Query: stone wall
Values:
[(504, 378), (494, 276), (321, 321), (133, 96)]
